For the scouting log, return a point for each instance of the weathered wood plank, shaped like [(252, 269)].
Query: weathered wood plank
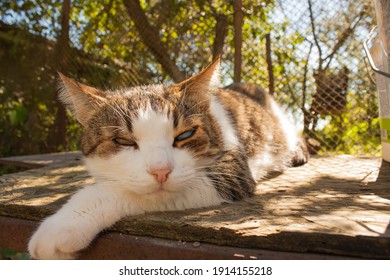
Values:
[(334, 205), (36, 161), (118, 246)]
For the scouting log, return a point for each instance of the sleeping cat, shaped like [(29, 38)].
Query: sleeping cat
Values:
[(161, 148)]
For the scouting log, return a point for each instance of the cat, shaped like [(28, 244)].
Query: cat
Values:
[(166, 147)]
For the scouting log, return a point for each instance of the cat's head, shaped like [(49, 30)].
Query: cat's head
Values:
[(148, 138)]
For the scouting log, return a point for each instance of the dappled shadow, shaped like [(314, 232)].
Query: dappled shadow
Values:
[(325, 195), (48, 186), (322, 205), (336, 206), (376, 187), (382, 179), (314, 194)]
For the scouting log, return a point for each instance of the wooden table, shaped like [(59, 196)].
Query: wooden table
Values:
[(333, 207)]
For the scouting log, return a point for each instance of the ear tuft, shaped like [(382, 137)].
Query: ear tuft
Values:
[(203, 84), (81, 99)]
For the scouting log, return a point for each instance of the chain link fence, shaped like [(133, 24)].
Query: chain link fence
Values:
[(308, 54)]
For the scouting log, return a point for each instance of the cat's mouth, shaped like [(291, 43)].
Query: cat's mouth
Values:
[(161, 189)]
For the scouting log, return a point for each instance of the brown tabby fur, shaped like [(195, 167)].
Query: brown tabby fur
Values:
[(109, 115)]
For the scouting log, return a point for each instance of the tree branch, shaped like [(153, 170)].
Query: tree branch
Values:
[(165, 7), (287, 81), (220, 30), (151, 38), (304, 86), (313, 28), (306, 115), (238, 19), (270, 68), (344, 35), (57, 133), (220, 34)]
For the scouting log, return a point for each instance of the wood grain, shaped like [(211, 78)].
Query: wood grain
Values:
[(335, 205)]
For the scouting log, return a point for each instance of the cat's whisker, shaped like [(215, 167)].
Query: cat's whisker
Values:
[(119, 112), (208, 170), (192, 115), (241, 136), (224, 174), (114, 127), (111, 126), (189, 110), (219, 182)]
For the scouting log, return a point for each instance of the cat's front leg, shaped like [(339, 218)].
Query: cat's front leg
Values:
[(77, 223)]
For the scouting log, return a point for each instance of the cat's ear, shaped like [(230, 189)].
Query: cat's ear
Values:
[(203, 84), (81, 99)]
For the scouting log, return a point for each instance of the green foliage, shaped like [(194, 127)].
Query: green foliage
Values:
[(24, 123), (7, 254), (106, 51), (18, 114), (356, 130)]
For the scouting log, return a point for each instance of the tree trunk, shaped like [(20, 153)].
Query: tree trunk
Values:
[(57, 134), (151, 38), (270, 68), (238, 20), (220, 35)]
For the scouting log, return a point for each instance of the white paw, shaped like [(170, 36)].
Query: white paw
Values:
[(55, 241)]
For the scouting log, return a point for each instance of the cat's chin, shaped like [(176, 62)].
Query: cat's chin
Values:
[(155, 189), (163, 190)]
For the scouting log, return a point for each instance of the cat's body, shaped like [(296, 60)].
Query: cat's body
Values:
[(160, 148)]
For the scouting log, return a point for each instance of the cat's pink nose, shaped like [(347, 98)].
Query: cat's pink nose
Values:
[(161, 174)]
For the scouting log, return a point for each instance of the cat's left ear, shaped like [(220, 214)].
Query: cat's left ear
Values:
[(81, 99), (203, 84)]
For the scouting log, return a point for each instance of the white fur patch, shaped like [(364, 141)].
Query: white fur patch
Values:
[(265, 162), (124, 187), (128, 169), (229, 133), (288, 128)]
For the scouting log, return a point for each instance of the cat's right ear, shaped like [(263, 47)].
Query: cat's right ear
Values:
[(81, 99), (202, 85)]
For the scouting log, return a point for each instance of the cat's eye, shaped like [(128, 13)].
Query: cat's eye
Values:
[(125, 142), (185, 135)]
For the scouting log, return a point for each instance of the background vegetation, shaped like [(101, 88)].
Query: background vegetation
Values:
[(297, 50)]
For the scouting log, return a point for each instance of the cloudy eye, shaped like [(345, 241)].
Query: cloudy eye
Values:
[(125, 142), (185, 135)]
